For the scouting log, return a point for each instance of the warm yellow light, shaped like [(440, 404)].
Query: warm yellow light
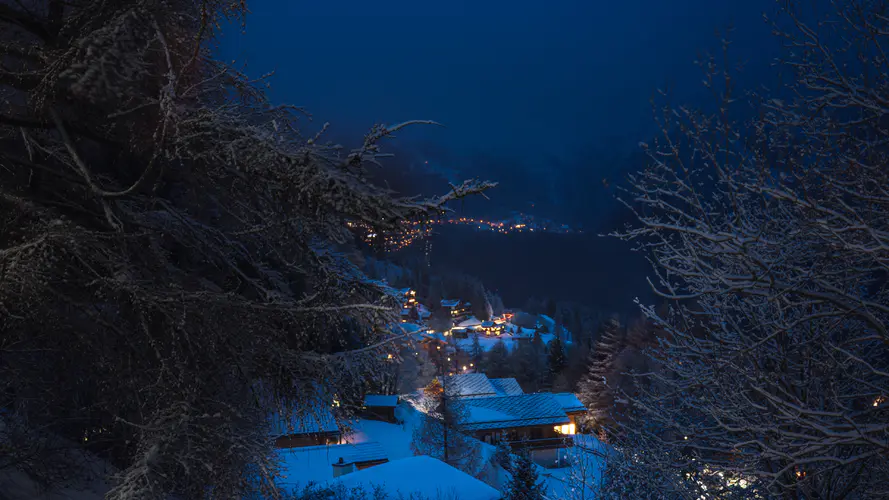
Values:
[(686, 438), (567, 429), (438, 347), (389, 356), (470, 364), (464, 367)]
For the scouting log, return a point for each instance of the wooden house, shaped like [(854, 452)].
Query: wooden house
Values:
[(491, 328), (348, 458), (456, 308), (317, 427), (380, 407)]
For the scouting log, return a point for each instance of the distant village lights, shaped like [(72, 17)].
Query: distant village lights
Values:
[(415, 230)]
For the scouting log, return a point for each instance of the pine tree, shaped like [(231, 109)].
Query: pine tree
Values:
[(556, 359), (530, 362), (597, 387), (477, 354), (498, 362), (524, 483)]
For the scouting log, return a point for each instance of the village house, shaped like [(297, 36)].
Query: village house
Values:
[(498, 410), (456, 307), (491, 327), (348, 458), (316, 428), (380, 407)]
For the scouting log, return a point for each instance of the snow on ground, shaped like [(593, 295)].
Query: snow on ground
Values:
[(396, 440), (421, 475), (489, 341), (301, 466)]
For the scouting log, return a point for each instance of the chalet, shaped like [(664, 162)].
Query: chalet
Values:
[(456, 307), (318, 427), (497, 409), (534, 421), (408, 297), (380, 407), (491, 328), (348, 458)]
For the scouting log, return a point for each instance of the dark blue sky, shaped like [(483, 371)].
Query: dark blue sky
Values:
[(531, 83)]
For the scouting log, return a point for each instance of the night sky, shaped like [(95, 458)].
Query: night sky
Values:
[(533, 85), (549, 98)]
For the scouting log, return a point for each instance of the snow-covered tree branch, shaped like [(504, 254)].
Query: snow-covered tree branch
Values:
[(770, 239), (169, 270)]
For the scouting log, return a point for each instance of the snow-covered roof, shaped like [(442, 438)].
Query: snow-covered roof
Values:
[(569, 402), (469, 384), (300, 466), (506, 386), (487, 324), (471, 321), (369, 451), (421, 476), (450, 302), (317, 421), (501, 412), (380, 400)]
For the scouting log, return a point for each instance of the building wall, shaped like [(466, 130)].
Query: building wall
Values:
[(299, 441), (386, 414), (538, 435)]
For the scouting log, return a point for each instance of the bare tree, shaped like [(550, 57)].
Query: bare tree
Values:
[(440, 433), (168, 268), (772, 242)]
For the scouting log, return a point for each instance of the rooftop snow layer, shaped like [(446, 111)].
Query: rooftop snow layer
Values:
[(506, 386), (380, 400), (318, 421), (470, 384), (569, 402), (300, 466), (422, 476), (512, 411)]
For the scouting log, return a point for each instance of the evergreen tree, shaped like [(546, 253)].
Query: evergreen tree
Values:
[(503, 454), (524, 483), (556, 359), (597, 387), (498, 361), (496, 303), (530, 361), (477, 354)]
